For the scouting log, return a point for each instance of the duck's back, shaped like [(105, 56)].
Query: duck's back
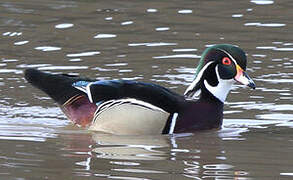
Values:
[(115, 106)]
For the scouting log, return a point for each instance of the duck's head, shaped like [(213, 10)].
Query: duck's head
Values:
[(219, 68)]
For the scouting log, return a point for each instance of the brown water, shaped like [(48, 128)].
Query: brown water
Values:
[(151, 41)]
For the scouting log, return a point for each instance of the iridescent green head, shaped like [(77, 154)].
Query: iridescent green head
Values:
[(218, 52), (220, 65)]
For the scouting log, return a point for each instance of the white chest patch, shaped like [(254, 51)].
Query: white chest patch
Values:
[(222, 89)]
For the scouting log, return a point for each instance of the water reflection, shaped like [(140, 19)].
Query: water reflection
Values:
[(48, 48), (64, 26), (237, 15), (152, 44), (20, 43), (101, 36), (258, 24), (262, 2), (162, 29), (151, 10), (126, 23), (184, 50), (177, 56), (185, 11), (10, 71), (83, 54), (62, 68), (132, 154), (129, 147)]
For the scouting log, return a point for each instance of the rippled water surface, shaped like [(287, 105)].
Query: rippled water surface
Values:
[(150, 41)]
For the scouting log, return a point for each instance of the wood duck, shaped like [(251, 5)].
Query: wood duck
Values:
[(131, 107)]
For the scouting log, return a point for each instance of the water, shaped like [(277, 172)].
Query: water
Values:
[(150, 41)]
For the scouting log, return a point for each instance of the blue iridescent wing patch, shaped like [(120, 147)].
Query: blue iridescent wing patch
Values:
[(112, 83), (80, 84)]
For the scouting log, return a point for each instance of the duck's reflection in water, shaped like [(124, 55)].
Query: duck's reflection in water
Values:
[(199, 155), (130, 147)]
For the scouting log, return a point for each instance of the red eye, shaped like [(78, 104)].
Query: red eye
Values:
[(226, 61)]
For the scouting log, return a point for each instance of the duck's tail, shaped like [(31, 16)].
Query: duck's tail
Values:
[(57, 86)]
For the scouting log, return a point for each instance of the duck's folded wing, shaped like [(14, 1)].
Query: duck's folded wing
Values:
[(119, 89)]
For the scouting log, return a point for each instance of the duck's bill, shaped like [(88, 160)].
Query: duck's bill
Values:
[(243, 78)]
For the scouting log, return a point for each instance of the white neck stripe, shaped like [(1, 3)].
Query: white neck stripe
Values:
[(198, 77)]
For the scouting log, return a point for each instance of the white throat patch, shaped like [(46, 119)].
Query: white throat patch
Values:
[(222, 89)]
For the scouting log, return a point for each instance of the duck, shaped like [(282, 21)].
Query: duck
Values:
[(126, 107)]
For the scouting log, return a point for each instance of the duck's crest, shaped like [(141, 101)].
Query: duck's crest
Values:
[(231, 49)]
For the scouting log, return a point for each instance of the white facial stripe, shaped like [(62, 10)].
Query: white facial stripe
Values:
[(230, 56), (222, 89), (217, 72), (198, 77)]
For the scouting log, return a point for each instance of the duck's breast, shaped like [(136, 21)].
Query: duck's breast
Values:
[(79, 110)]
